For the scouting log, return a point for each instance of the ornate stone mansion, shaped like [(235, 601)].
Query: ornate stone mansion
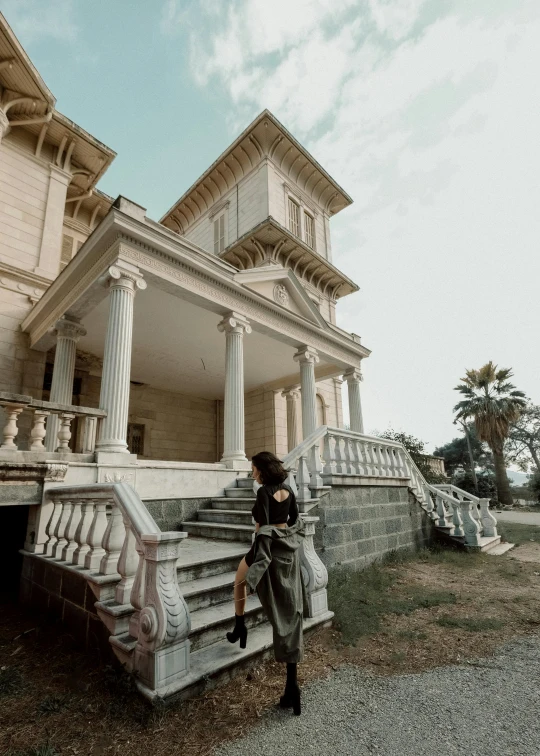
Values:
[(143, 362)]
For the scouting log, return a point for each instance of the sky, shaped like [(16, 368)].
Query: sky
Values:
[(427, 113)]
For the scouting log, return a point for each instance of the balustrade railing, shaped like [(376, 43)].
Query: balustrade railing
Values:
[(105, 533), (347, 454), (15, 404)]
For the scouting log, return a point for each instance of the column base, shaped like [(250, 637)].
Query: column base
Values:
[(235, 463), (106, 457)]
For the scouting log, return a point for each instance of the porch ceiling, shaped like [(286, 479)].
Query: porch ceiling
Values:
[(177, 347)]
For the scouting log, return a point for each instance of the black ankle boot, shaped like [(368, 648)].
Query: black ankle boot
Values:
[(291, 697), (240, 631)]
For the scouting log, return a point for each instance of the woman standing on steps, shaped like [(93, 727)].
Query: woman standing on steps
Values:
[(272, 567)]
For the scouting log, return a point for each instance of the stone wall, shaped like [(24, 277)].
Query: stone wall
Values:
[(359, 524), (169, 514), (50, 589)]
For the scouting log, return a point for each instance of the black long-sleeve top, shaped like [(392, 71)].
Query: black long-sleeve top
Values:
[(279, 511)]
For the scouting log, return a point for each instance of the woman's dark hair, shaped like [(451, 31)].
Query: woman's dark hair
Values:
[(270, 467)]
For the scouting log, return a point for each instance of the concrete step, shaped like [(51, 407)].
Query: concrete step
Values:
[(239, 493), (245, 483), (499, 549), (220, 531), (208, 591), (210, 625), (489, 542), (229, 516), (222, 661), (224, 502), (225, 557)]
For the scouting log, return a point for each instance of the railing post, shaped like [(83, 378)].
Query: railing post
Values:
[(10, 428), (95, 536), (302, 480), (50, 529), (351, 462), (161, 655), (127, 565), (329, 451), (71, 531), (38, 432), (489, 521), (441, 512), (341, 462), (89, 435), (368, 458), (430, 509), (314, 573), (64, 434), (360, 458), (471, 528), (83, 530), (113, 538), (457, 519), (61, 528)]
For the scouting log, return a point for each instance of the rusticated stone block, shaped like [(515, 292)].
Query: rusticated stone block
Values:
[(76, 619), (52, 578), (74, 588)]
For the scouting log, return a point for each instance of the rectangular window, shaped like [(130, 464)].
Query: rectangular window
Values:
[(294, 218), (309, 231), (135, 438), (219, 234)]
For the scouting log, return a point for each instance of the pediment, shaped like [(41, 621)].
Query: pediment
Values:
[(282, 287)]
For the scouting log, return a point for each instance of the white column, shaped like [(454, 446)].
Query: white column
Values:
[(292, 396), (353, 378), (307, 358), (68, 333), (124, 280), (234, 454), (4, 124)]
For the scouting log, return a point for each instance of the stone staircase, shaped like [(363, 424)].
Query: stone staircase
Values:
[(206, 570)]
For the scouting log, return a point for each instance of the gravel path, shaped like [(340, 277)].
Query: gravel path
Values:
[(486, 708)]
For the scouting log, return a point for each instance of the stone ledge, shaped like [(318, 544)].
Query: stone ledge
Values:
[(342, 479)]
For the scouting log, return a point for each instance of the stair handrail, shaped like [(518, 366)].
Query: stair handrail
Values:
[(304, 447), (160, 622), (468, 516)]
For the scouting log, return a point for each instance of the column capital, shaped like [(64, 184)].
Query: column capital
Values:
[(353, 374), (122, 275), (69, 329), (233, 322), (291, 394), (306, 354)]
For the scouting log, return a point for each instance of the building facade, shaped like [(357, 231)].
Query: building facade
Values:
[(255, 226)]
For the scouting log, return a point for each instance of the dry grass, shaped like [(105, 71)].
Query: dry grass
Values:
[(56, 700)]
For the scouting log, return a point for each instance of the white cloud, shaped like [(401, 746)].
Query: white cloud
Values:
[(427, 114), (35, 19)]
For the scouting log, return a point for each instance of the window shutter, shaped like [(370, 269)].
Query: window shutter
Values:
[(309, 231), (67, 250), (216, 236), (222, 232), (294, 217)]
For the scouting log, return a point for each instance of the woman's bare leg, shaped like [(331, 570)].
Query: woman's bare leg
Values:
[(240, 588)]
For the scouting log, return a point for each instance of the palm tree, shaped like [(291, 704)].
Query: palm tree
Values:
[(493, 403)]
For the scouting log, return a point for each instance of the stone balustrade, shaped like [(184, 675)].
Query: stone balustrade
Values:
[(15, 404), (351, 458), (105, 533)]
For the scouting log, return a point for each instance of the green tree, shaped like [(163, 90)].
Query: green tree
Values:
[(523, 445), (456, 453), (416, 449), (493, 403)]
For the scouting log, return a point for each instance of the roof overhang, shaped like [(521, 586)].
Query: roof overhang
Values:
[(270, 241), (182, 269), (264, 138)]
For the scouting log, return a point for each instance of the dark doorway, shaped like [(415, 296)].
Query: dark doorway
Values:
[(13, 521)]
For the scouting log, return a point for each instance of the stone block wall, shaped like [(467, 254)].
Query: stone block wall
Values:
[(50, 589), (359, 524), (169, 514)]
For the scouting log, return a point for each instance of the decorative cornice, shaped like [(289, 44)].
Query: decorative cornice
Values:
[(280, 321)]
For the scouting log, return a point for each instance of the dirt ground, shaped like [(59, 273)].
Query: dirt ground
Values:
[(56, 700)]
